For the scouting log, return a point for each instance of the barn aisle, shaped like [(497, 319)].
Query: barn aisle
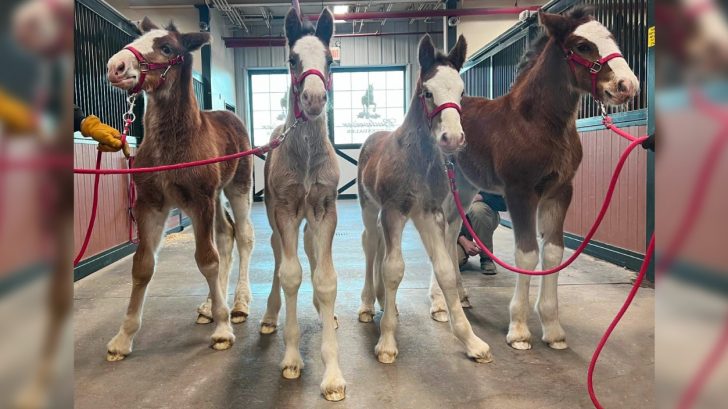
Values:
[(172, 366)]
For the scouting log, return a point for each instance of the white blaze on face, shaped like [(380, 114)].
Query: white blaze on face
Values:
[(312, 54), (125, 58), (601, 37), (446, 86)]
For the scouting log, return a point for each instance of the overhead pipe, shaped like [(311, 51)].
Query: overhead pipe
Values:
[(256, 42), (375, 15)]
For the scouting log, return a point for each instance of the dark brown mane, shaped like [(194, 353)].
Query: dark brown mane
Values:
[(578, 15)]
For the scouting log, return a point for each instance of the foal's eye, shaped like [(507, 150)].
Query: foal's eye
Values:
[(428, 94), (292, 63), (584, 48), (166, 50)]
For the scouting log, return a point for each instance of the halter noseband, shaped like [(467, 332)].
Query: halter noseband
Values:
[(145, 67), (593, 66), (297, 81), (438, 108)]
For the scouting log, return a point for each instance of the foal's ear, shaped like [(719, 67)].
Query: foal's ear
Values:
[(294, 27), (556, 25), (457, 54), (325, 26), (426, 53), (193, 41), (147, 25)]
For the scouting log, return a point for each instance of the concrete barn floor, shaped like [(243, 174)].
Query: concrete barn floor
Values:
[(173, 367)]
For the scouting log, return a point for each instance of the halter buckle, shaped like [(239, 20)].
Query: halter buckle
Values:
[(596, 67), (143, 66)]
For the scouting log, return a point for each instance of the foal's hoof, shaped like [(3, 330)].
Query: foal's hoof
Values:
[(521, 345), (222, 342), (558, 345), (267, 328), (334, 392), (366, 316), (114, 356), (386, 357), (291, 372), (238, 317), (202, 319), (480, 353), (439, 316), (366, 313), (386, 354), (465, 302)]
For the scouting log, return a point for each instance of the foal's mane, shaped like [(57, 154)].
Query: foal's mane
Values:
[(577, 15)]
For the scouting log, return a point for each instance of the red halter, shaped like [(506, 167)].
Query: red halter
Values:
[(297, 81), (438, 109), (145, 67), (593, 66)]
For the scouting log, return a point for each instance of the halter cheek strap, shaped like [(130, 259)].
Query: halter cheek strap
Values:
[(296, 83), (145, 67), (594, 67), (438, 109)]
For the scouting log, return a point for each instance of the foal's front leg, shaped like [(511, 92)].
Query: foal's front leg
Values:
[(151, 226), (431, 226), (290, 275), (393, 222), (467, 192), (322, 224), (522, 206)]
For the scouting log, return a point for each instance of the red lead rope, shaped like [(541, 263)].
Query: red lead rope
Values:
[(635, 142)]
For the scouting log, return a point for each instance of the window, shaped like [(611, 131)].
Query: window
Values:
[(366, 101), (268, 103)]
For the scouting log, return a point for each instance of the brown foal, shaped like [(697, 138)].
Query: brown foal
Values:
[(401, 176), (177, 131), (524, 145)]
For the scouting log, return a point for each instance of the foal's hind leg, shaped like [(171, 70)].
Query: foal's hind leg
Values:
[(224, 238), (151, 226), (551, 215), (522, 205), (370, 241), (269, 323), (431, 226), (208, 261), (245, 239)]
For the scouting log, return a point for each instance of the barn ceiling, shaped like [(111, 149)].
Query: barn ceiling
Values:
[(242, 14)]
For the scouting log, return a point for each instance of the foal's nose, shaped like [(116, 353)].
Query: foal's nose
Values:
[(117, 70), (626, 88), (452, 141)]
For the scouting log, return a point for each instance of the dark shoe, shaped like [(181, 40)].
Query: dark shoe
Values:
[(487, 267)]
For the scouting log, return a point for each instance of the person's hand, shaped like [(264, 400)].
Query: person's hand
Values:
[(469, 246), (109, 138)]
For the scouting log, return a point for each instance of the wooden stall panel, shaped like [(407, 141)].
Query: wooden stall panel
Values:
[(112, 220), (625, 223)]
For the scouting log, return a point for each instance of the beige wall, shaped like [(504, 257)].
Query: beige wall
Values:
[(480, 30), (187, 20)]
